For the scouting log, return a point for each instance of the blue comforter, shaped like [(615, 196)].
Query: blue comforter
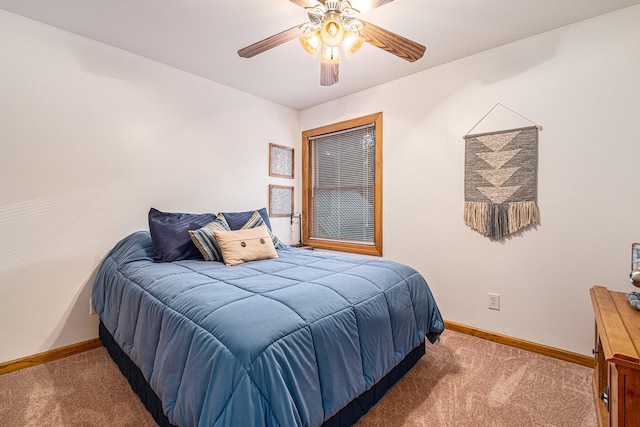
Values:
[(281, 342)]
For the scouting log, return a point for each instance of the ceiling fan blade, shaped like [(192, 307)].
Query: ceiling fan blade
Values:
[(392, 42), (329, 72), (271, 42)]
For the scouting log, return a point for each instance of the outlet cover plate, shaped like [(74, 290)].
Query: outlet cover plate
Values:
[(494, 301)]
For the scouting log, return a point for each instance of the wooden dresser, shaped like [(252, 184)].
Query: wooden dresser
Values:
[(616, 379)]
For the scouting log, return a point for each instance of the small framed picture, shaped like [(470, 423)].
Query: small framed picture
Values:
[(280, 200), (280, 161), (635, 257)]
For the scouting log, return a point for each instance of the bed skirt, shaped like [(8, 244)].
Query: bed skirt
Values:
[(347, 416)]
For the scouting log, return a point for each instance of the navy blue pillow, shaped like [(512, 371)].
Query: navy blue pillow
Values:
[(237, 219), (170, 234)]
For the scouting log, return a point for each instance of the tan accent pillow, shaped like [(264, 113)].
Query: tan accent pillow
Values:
[(245, 245)]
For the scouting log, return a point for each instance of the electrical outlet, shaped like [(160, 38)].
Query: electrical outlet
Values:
[(92, 310), (494, 301)]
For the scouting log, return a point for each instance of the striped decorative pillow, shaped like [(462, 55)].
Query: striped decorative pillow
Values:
[(237, 219), (256, 221), (205, 240)]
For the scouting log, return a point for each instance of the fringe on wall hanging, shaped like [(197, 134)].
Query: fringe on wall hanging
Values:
[(500, 182)]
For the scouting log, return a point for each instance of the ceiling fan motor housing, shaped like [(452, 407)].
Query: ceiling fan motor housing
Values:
[(332, 6)]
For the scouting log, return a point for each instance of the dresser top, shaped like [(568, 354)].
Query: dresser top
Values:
[(618, 325)]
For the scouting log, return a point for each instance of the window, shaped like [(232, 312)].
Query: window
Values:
[(342, 186)]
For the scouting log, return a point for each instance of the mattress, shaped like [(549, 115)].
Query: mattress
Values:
[(280, 342)]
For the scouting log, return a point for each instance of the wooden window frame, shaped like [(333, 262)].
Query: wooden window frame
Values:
[(366, 249)]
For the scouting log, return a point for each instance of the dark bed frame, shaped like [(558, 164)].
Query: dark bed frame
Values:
[(347, 416)]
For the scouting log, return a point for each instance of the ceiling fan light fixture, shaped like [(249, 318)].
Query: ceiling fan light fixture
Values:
[(332, 25)]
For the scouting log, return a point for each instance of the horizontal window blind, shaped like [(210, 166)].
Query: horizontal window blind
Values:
[(342, 185)]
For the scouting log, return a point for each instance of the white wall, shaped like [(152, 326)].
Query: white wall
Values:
[(91, 137), (582, 84)]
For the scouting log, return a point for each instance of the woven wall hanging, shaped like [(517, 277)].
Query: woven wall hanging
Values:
[(500, 181)]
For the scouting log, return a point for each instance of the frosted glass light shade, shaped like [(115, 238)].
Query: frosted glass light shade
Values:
[(311, 42), (330, 53), (332, 31), (351, 44)]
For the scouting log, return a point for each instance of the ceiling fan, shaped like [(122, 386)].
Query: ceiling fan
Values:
[(335, 24)]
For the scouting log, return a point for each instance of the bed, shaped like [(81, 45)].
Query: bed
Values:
[(303, 339)]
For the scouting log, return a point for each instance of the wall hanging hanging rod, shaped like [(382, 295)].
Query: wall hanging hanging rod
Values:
[(539, 127)]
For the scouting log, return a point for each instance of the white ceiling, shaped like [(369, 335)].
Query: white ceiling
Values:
[(202, 37)]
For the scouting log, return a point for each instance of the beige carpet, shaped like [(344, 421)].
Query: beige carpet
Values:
[(465, 381), (461, 381), (82, 390)]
